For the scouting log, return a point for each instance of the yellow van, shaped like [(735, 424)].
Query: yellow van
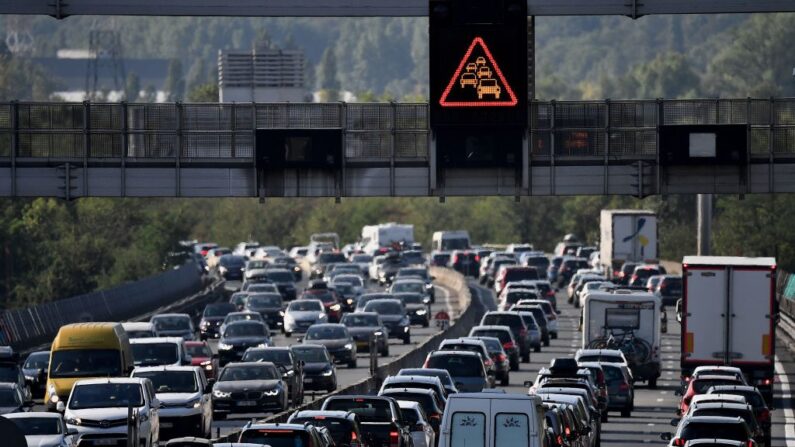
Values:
[(83, 351)]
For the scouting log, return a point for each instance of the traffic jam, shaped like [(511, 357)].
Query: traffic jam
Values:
[(570, 351)]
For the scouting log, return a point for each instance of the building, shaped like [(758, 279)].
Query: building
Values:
[(262, 75)]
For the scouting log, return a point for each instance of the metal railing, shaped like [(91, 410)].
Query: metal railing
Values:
[(610, 130)]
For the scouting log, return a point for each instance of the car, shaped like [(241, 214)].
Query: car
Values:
[(318, 367), (421, 273), (600, 380), (214, 255), (425, 382), (158, 351), (484, 72), (230, 267), (488, 87), (514, 321), (600, 356), (744, 411), (669, 289), (408, 285), (582, 392), (624, 273), (212, 318), (382, 420), (173, 325), (364, 325), (540, 318), (473, 345), (699, 427), (465, 367), (363, 261), (620, 389), (335, 270), (422, 432), (585, 416), (277, 435), (239, 336), (255, 268), (284, 280), (13, 399), (429, 400), (343, 426), (249, 388), (322, 262), (367, 297), (389, 267), (301, 314), (537, 260), (329, 299), (716, 370), (642, 272), (754, 398), (290, 367), (439, 259), (202, 356), (337, 340), (394, 316), (505, 336), (471, 67), (511, 296), (259, 285), (286, 263), (442, 374), (533, 330), (44, 429), (510, 273), (499, 358), (238, 299), (184, 395), (97, 409), (700, 385), (418, 307), (549, 313), (465, 262), (139, 329), (269, 305), (243, 248), (245, 315), (35, 371), (568, 267)]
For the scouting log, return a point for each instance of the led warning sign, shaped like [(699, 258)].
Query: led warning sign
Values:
[(478, 81)]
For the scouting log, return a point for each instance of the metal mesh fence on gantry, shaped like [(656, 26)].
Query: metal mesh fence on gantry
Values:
[(34, 325)]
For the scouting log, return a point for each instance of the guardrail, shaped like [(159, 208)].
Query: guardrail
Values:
[(35, 325), (447, 278)]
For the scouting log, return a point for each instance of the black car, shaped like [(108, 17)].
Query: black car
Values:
[(230, 267), (465, 262), (212, 317), (290, 367), (362, 326), (239, 336), (343, 426), (417, 306), (319, 370), (269, 305), (412, 257), (422, 273), (323, 260), (288, 263), (35, 370), (389, 268), (348, 295), (337, 340), (394, 316), (439, 259), (249, 388), (284, 280)]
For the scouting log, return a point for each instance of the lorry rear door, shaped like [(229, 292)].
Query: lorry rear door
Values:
[(704, 314), (750, 337)]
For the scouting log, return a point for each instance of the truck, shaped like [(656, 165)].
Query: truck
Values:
[(378, 239), (627, 236), (450, 240), (729, 314), (629, 321)]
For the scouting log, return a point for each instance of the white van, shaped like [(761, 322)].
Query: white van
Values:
[(450, 240), (629, 321), (492, 419)]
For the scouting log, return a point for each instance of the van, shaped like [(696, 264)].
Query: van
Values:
[(450, 240), (85, 351), (490, 419)]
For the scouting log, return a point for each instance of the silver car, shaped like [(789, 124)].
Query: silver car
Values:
[(301, 314), (421, 431), (44, 429)]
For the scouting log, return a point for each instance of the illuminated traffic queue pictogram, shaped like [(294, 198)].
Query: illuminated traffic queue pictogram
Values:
[(478, 81)]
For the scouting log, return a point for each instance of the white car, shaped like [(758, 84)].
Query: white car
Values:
[(44, 429), (139, 329), (97, 409), (549, 311), (301, 314), (158, 351), (174, 325), (421, 431), (184, 394)]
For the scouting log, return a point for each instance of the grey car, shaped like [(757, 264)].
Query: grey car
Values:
[(394, 316), (465, 367), (620, 390), (337, 340), (362, 326)]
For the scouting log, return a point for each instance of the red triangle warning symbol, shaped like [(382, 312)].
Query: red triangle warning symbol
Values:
[(478, 81)]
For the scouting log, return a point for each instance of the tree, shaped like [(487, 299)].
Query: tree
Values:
[(175, 81), (327, 78), (204, 93)]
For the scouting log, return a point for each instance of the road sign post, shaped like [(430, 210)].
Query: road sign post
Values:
[(442, 320)]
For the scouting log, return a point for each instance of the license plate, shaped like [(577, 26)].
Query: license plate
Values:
[(247, 403), (166, 425), (309, 380), (104, 442)]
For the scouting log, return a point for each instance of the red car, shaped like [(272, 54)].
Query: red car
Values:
[(329, 300), (700, 385), (201, 355)]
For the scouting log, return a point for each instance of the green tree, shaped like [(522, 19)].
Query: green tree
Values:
[(175, 81), (327, 75), (204, 93)]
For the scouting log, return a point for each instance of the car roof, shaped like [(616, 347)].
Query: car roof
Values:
[(713, 420), (328, 325), (166, 368), (714, 405), (734, 387), (327, 413), (461, 340), (410, 378), (137, 325), (491, 327), (171, 315), (704, 398), (150, 340), (464, 353), (279, 426), (408, 390), (249, 364), (129, 380), (33, 414)]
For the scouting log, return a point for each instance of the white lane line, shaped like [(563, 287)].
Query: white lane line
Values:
[(447, 301), (660, 399), (786, 396)]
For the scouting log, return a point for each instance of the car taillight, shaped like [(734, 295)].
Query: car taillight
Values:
[(501, 357), (551, 317), (550, 293), (679, 442), (623, 387), (353, 436), (764, 415), (477, 258), (560, 440), (522, 332), (436, 416), (455, 259), (393, 439), (634, 278), (767, 381), (750, 443), (425, 365), (568, 431), (508, 345), (488, 362)]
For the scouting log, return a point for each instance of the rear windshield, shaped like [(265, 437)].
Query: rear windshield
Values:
[(613, 374), (752, 397), (425, 400), (150, 354), (697, 430), (368, 410), (512, 321), (521, 274), (277, 438), (326, 258), (244, 330), (600, 358), (277, 356), (219, 310), (504, 336), (747, 416), (458, 365), (539, 262), (384, 308), (340, 429)]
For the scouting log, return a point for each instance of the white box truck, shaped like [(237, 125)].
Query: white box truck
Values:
[(729, 314), (377, 239), (629, 321), (627, 236)]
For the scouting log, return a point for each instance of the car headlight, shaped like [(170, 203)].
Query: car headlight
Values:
[(378, 333), (335, 307), (221, 394), (273, 392), (328, 372), (74, 421), (53, 395), (422, 312), (195, 403), (30, 378), (349, 346), (222, 269), (281, 313), (321, 316), (262, 345), (350, 301), (203, 324), (289, 373), (296, 269), (224, 346), (429, 286)]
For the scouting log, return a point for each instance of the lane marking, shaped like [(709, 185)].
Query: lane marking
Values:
[(786, 397), (447, 301)]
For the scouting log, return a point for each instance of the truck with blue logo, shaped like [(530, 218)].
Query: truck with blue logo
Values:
[(627, 236)]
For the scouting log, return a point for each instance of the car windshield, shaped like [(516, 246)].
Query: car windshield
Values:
[(503, 336), (33, 426), (613, 374), (9, 374), (232, 261), (305, 306), (106, 395), (171, 381), (85, 363), (245, 330), (253, 372), (412, 298), (277, 438), (458, 365), (362, 258), (254, 265), (277, 356), (384, 308), (343, 288), (327, 258), (37, 360), (243, 317), (282, 276), (416, 287), (512, 321), (218, 310), (171, 323), (603, 358), (325, 333), (494, 346), (422, 273), (149, 354), (310, 355), (9, 398), (264, 300), (198, 350), (698, 430), (368, 410), (353, 320), (747, 416), (340, 429)]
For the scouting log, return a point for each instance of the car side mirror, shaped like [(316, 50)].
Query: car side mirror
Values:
[(419, 427), (677, 392), (299, 339), (60, 407), (666, 436), (675, 422), (528, 383), (678, 412)]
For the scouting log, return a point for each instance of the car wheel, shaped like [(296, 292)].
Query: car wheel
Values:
[(514, 366), (626, 413), (537, 349), (653, 383), (526, 357), (554, 336), (506, 380), (352, 363), (426, 323), (288, 334), (604, 416), (407, 340), (546, 342), (385, 352), (219, 416)]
